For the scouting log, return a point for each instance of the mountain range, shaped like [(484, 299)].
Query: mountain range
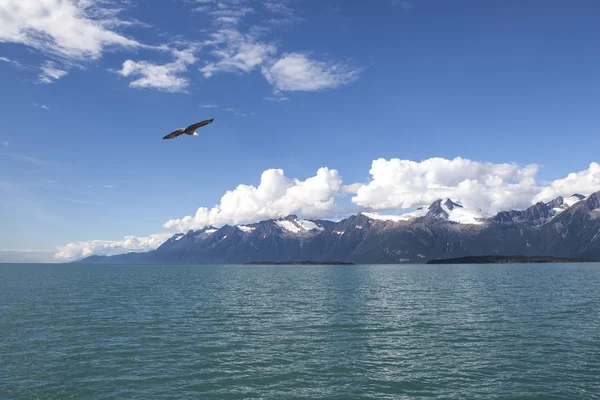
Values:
[(563, 227)]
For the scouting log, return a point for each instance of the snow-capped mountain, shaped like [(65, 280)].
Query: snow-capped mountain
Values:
[(445, 209), (540, 213), (565, 227)]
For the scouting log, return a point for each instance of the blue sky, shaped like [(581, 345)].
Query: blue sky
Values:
[(90, 88)]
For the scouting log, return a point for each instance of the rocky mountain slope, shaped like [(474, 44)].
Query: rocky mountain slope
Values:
[(564, 227)]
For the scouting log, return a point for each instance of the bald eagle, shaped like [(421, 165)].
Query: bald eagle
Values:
[(190, 130)]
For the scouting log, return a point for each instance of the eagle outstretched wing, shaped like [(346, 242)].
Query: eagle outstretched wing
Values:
[(174, 134), (193, 127)]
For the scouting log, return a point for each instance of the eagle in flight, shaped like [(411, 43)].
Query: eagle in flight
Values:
[(190, 130)]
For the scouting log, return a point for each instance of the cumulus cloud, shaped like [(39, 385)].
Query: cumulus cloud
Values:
[(297, 72), (276, 196), (72, 29), (51, 73), (395, 184), (164, 77), (77, 250), (401, 184), (583, 182)]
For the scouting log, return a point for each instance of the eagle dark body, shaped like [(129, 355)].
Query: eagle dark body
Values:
[(190, 130)]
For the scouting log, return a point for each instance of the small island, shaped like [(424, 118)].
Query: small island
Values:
[(298, 263), (508, 260)]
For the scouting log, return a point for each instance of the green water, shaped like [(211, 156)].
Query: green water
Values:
[(300, 332)]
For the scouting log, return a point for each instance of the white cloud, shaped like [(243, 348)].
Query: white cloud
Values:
[(276, 98), (42, 106), (236, 112), (225, 11), (165, 77), (209, 106), (51, 73), (77, 250), (297, 72), (236, 52), (276, 196), (278, 7), (352, 188), (109, 186), (584, 182), (13, 62), (395, 184), (4, 143), (71, 29), (402, 184)]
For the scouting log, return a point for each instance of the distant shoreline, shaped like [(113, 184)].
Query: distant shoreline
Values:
[(509, 260), (297, 263)]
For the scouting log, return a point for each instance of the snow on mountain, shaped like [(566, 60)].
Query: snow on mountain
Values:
[(575, 198), (560, 204), (419, 212), (309, 225), (296, 225), (457, 213), (444, 209)]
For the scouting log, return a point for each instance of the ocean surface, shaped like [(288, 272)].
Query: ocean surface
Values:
[(300, 332)]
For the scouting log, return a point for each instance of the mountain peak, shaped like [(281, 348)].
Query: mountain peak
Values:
[(293, 224), (454, 212)]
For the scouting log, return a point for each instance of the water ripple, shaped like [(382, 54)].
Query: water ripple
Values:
[(300, 332)]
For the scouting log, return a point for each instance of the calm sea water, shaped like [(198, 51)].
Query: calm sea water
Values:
[(300, 332)]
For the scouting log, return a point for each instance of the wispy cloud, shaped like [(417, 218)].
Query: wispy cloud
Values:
[(43, 106), (236, 112), (225, 12), (50, 73), (25, 159), (236, 52), (5, 143), (164, 77), (243, 52), (70, 29), (109, 186), (69, 32), (276, 98), (76, 201), (283, 13), (209, 106), (13, 62), (298, 72)]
